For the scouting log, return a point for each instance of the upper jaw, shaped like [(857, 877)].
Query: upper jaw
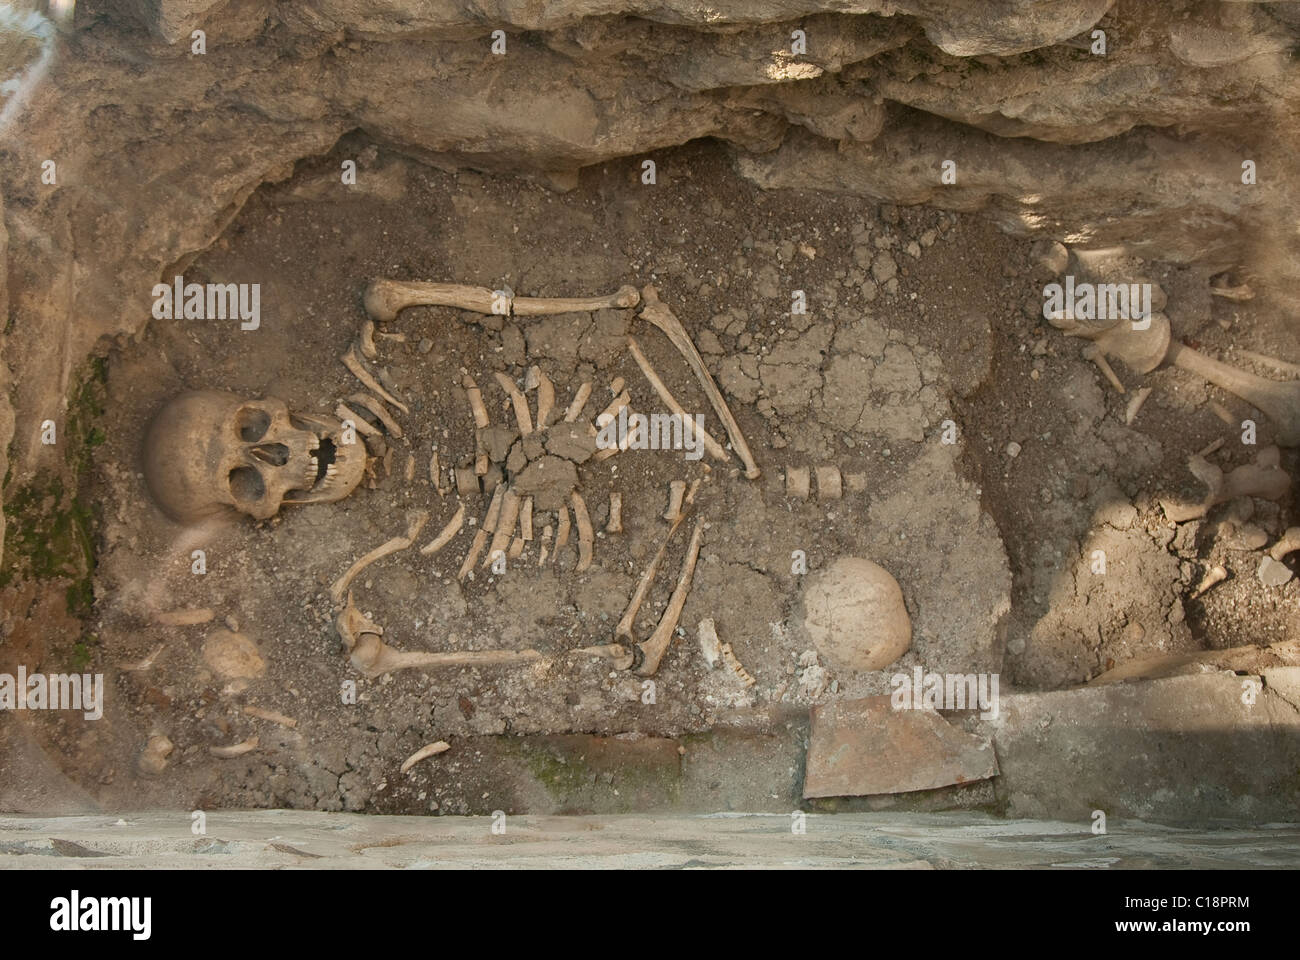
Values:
[(343, 472)]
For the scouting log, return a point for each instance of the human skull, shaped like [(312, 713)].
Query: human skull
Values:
[(208, 449)]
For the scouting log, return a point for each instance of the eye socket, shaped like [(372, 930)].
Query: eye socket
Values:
[(246, 484), (252, 424)]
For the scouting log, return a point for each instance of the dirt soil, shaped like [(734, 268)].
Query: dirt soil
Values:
[(921, 327)]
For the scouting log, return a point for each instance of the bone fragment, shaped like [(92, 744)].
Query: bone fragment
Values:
[(1264, 478), (494, 510), (1223, 413), (1289, 543), (388, 462), (481, 464), (435, 474), (450, 530), (616, 386), (585, 534), (526, 519), (271, 715), (1094, 353), (709, 646), (1281, 366), (729, 658), (466, 481), (1211, 447), (624, 628), (1135, 404), (368, 348), (392, 546), (408, 472), (353, 363), (615, 405), (830, 485), (189, 617), (146, 663), (235, 750), (1215, 575), (546, 545), (688, 423), (476, 406), (429, 750), (1238, 293), (545, 399), (520, 403), (475, 548), (348, 415), (379, 411), (505, 527), (562, 534), (798, 482), (676, 493), (579, 401), (658, 314), (516, 548), (615, 522), (620, 654), (656, 645)]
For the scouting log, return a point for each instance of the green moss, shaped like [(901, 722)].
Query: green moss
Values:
[(81, 656), (49, 525)]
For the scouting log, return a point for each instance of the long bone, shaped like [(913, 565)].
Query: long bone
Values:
[(450, 530), (585, 534), (392, 546), (385, 299), (480, 536), (656, 313), (1264, 478), (1278, 399), (655, 646), (624, 629), (519, 402), (379, 412), (688, 423), (373, 657), (1143, 348), (545, 398), (505, 526), (354, 364)]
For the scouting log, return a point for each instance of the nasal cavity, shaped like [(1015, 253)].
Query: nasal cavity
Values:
[(274, 454)]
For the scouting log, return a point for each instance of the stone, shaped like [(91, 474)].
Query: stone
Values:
[(854, 614), (1273, 573), (572, 441), (865, 747), (232, 655)]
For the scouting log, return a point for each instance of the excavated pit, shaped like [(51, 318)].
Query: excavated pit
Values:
[(916, 317), (985, 461)]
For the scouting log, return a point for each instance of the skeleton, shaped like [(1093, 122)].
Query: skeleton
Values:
[(267, 457)]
